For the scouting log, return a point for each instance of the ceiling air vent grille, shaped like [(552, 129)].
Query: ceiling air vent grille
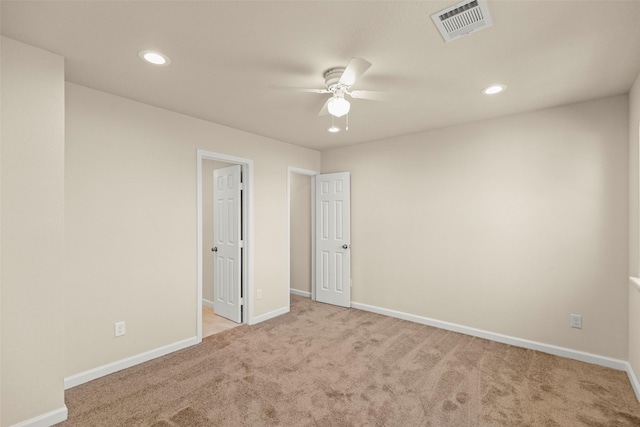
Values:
[(462, 18)]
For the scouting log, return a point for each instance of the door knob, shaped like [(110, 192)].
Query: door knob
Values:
[(214, 249), (345, 246)]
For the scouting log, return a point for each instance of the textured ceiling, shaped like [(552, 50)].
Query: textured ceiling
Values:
[(227, 56)]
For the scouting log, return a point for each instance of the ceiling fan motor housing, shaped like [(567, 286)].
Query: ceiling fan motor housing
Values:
[(332, 79)]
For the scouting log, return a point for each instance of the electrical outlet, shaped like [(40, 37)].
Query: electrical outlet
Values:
[(120, 329), (576, 321), (259, 294)]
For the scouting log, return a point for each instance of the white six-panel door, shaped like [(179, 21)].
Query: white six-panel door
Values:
[(333, 239), (227, 267)]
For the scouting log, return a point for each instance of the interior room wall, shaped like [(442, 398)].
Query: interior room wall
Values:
[(208, 166), (131, 223), (634, 229), (32, 200), (300, 232), (506, 225)]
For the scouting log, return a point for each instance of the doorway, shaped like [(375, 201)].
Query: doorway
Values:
[(207, 163), (300, 225), (328, 198), (216, 319)]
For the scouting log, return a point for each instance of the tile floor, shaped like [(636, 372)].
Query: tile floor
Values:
[(212, 323)]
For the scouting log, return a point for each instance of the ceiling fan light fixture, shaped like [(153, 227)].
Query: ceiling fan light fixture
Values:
[(338, 106)]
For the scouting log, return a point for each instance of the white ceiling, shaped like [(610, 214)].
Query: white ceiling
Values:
[(227, 56)]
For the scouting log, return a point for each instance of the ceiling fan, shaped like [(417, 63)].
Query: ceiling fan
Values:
[(339, 81)]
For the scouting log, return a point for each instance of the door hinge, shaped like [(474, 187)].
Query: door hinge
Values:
[(241, 301), (242, 186), (241, 243)]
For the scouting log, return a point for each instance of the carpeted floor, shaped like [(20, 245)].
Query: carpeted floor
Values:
[(322, 365)]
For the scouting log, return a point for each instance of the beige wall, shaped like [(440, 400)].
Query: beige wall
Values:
[(300, 232), (506, 225), (32, 230), (208, 166), (131, 223), (634, 236)]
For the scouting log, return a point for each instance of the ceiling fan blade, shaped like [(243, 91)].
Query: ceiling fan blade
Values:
[(356, 68), (325, 108), (370, 94), (299, 89)]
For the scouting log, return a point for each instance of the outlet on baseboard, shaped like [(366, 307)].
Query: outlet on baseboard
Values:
[(120, 329), (576, 321), (259, 294)]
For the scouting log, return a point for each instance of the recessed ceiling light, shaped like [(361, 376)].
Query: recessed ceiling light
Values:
[(333, 129), (153, 57), (493, 89)]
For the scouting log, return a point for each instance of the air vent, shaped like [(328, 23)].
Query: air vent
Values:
[(462, 18)]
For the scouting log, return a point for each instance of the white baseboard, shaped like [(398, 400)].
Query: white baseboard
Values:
[(110, 368), (582, 356), (45, 420), (269, 315), (301, 293), (634, 380), (207, 303)]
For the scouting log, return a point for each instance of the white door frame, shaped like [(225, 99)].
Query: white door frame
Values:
[(312, 174), (247, 223)]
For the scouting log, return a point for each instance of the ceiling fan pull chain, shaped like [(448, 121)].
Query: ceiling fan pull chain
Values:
[(333, 128), (347, 127)]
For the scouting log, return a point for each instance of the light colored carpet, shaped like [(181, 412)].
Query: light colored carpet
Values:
[(322, 365)]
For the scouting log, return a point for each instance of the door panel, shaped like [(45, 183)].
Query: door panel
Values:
[(333, 234), (226, 232)]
